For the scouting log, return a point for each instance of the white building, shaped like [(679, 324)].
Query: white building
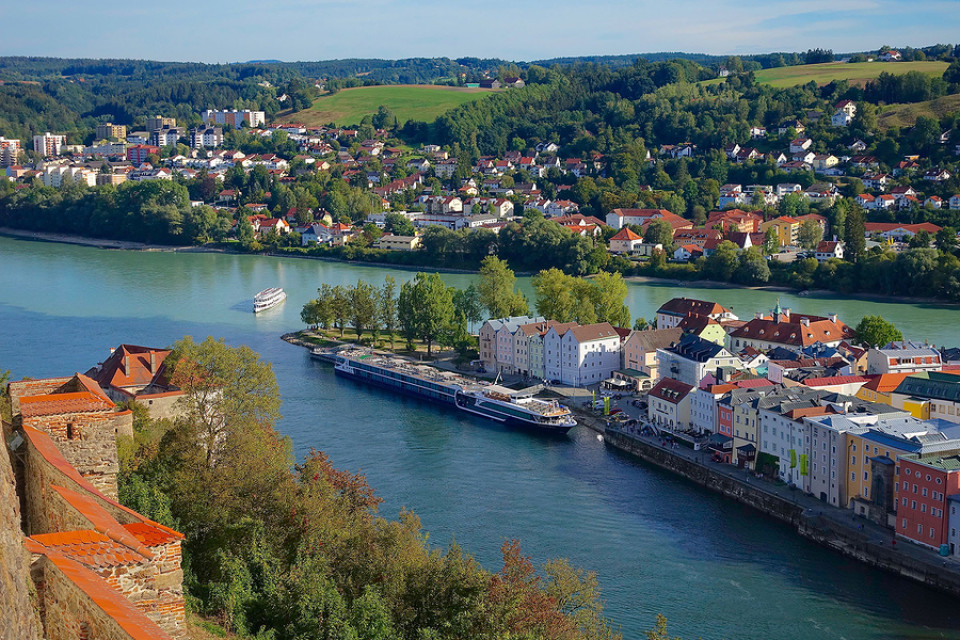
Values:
[(581, 355), (9, 151), (496, 348), (234, 118), (209, 137), (668, 405), (57, 175), (903, 357), (692, 358), (48, 144)]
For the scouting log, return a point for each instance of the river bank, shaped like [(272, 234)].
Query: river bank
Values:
[(838, 529), (125, 245)]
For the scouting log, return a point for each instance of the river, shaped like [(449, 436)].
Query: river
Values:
[(659, 544)]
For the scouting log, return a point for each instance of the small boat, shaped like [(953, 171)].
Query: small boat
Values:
[(268, 298)]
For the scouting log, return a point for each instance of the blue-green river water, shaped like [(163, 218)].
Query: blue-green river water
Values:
[(659, 544)]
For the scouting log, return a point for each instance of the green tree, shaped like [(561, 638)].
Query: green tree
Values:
[(340, 306), (659, 232), (225, 390), (425, 308), (398, 225), (609, 295), (467, 302), (810, 235), (920, 240), (855, 240), (947, 239), (554, 295), (771, 241), (387, 307), (363, 308), (875, 331), (722, 263), (497, 289)]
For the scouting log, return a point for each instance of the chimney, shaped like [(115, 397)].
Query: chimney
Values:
[(153, 362), (805, 322), (833, 318), (126, 364)]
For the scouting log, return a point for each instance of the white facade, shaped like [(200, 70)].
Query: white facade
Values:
[(903, 357), (48, 144), (55, 176), (703, 410), (583, 355)]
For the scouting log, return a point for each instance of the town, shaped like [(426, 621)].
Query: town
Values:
[(793, 397)]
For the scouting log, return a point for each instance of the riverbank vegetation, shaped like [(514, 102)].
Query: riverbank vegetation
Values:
[(296, 551)]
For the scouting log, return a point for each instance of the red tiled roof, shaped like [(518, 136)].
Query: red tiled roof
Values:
[(671, 390), (101, 519), (150, 535), (90, 548), (626, 234), (793, 332), (76, 402), (114, 604), (129, 365), (688, 306), (829, 381), (885, 382)]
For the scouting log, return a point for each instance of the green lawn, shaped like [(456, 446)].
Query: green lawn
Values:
[(850, 71), (905, 115), (408, 102)]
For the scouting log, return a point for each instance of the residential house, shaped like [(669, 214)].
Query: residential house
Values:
[(930, 395), (582, 355), (640, 354), (898, 232), (903, 357), (495, 352), (618, 218), (398, 243), (829, 249), (692, 358), (799, 145), (929, 479), (625, 241), (703, 327), (786, 228), (668, 404), (673, 312)]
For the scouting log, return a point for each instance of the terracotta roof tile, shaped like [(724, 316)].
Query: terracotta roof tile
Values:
[(133, 621), (90, 547), (74, 402), (101, 519), (150, 535)]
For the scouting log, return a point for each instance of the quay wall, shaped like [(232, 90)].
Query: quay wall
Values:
[(807, 522)]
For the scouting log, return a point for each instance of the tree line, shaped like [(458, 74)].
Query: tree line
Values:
[(295, 550)]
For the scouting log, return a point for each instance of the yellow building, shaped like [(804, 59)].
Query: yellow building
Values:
[(880, 388), (399, 243), (704, 327), (787, 228), (890, 439)]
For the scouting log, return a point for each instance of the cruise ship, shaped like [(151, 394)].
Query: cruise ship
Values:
[(490, 401), (268, 298)]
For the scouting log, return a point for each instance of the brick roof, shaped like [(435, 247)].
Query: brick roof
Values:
[(688, 306), (626, 234), (150, 535), (590, 332), (100, 519), (793, 332)]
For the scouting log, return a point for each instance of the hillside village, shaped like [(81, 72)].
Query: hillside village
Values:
[(407, 192), (792, 397)]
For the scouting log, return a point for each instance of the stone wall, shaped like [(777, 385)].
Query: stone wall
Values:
[(17, 615), (89, 442), (71, 612)]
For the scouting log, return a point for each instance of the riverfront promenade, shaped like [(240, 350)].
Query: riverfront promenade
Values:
[(839, 529)]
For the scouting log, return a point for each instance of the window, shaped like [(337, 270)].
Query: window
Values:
[(920, 528), (70, 431), (908, 471), (865, 475), (903, 524), (853, 476), (913, 504), (924, 492), (904, 502), (939, 480), (928, 477), (931, 532), (853, 460), (923, 508)]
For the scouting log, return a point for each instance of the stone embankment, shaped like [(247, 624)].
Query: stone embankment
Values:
[(834, 528)]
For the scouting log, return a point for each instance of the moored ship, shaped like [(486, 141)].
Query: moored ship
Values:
[(268, 298), (483, 399)]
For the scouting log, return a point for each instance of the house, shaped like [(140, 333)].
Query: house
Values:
[(698, 237), (398, 243), (758, 132), (827, 249), (734, 220), (929, 395), (955, 201), (703, 327), (890, 56), (515, 83), (921, 518), (824, 161), (668, 404), (690, 359), (276, 225), (625, 241), (496, 340), (135, 373), (582, 355), (786, 228), (903, 357), (618, 218), (898, 232), (489, 84), (858, 145), (846, 110), (787, 125), (937, 175), (640, 354), (799, 145), (933, 202), (786, 329), (674, 311)]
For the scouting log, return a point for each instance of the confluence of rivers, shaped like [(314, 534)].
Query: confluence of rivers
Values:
[(659, 544)]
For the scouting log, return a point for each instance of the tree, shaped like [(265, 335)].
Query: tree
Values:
[(225, 390), (387, 307), (425, 308), (874, 331), (340, 306), (363, 308), (398, 225), (947, 239), (554, 295), (609, 293), (771, 240), (920, 240), (467, 302), (496, 289), (810, 234), (722, 263), (659, 232), (752, 268), (855, 240)]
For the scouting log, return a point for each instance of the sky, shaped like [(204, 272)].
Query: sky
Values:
[(290, 30)]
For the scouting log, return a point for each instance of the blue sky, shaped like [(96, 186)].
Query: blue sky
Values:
[(520, 30)]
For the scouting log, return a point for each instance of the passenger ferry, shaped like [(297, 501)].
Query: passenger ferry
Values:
[(490, 401), (268, 298)]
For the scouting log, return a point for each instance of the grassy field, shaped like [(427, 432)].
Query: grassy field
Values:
[(408, 102), (905, 115), (853, 72)]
